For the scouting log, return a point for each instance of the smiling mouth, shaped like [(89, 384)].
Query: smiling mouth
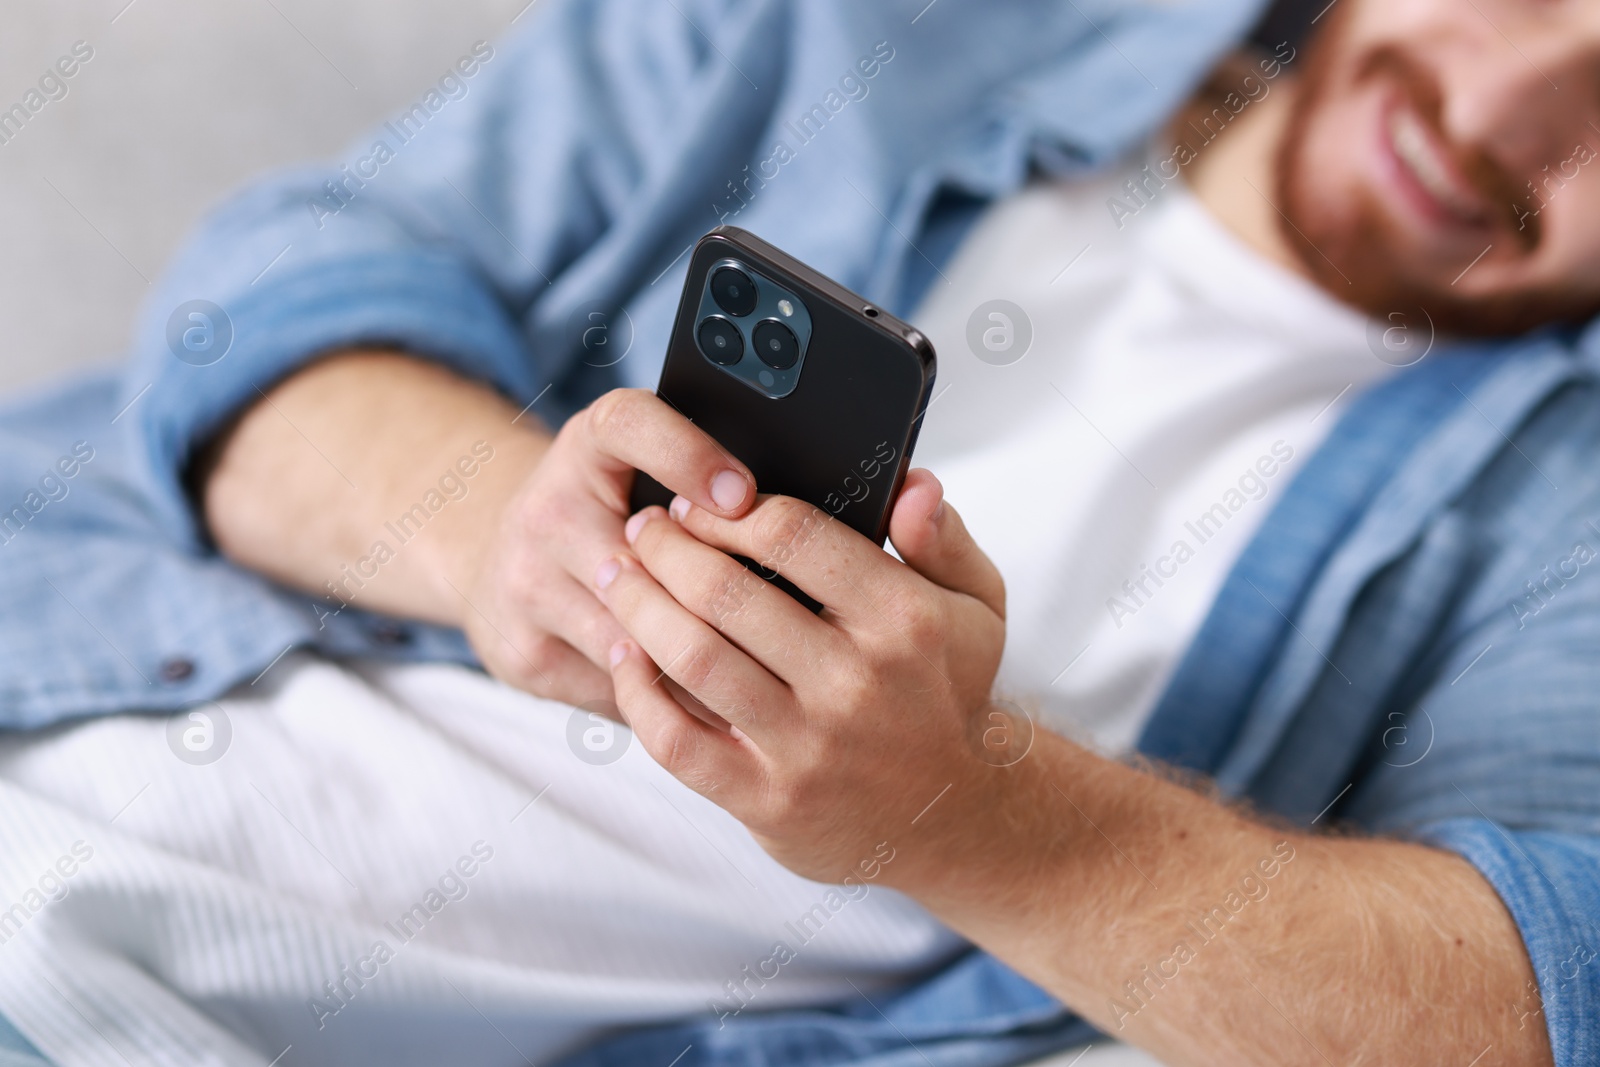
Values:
[(1436, 177)]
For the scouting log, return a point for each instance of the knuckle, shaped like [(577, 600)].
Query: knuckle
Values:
[(675, 748), (926, 626), (783, 529), (696, 664), (805, 792), (742, 709), (539, 650), (786, 798), (654, 539), (518, 675), (912, 613), (518, 666), (647, 546), (527, 515), (598, 630), (538, 514), (523, 591), (734, 589), (858, 687), (612, 413)]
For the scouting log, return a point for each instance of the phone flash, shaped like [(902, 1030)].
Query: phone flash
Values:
[(786, 308)]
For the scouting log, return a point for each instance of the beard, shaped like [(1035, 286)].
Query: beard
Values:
[(1360, 256)]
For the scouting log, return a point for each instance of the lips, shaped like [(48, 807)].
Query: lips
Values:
[(1427, 172)]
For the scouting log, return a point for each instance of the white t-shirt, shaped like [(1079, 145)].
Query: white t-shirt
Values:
[(528, 894), (1175, 382)]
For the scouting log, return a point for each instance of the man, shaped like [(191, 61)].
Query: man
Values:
[(1421, 582)]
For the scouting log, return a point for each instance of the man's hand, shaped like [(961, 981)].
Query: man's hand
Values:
[(316, 476), (1164, 917), (825, 734), (531, 614)]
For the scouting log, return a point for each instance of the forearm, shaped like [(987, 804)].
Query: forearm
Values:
[(1146, 908), (354, 472)]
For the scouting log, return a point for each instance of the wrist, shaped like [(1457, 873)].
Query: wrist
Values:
[(996, 833), (463, 531)]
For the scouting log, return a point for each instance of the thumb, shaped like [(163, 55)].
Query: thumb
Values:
[(934, 542)]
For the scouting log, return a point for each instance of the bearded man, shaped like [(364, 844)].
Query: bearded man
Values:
[(1244, 713)]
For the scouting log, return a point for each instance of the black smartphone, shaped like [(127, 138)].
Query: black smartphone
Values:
[(819, 392)]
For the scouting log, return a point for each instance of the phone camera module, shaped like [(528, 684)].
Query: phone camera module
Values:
[(744, 311), (721, 341), (733, 291), (775, 343)]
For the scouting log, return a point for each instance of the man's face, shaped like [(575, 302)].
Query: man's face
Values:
[(1446, 154)]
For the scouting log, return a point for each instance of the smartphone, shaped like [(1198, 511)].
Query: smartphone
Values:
[(815, 389)]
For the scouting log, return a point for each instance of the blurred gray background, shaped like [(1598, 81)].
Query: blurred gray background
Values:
[(183, 101)]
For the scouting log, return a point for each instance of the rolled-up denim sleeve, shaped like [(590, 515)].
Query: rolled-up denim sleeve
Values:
[(1498, 761), (439, 232), (1550, 882)]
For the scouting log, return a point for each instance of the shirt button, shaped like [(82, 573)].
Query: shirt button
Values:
[(391, 633), (177, 669)]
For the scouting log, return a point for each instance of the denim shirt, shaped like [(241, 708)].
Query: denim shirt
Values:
[(1420, 589)]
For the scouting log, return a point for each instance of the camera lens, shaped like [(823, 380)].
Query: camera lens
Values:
[(776, 344), (733, 291), (720, 341)]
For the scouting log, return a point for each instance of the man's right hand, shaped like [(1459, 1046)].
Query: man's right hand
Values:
[(304, 483), (531, 611)]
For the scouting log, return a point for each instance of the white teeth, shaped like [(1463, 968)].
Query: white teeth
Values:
[(1415, 149)]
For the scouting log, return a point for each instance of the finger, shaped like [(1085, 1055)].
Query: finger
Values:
[(537, 662), (934, 542), (828, 560), (761, 619), (590, 532), (575, 614), (691, 653), (687, 701), (640, 431), (705, 759)]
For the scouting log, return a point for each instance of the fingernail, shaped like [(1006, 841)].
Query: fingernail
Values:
[(607, 572), (635, 523), (618, 651), (938, 512), (678, 508), (728, 489)]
